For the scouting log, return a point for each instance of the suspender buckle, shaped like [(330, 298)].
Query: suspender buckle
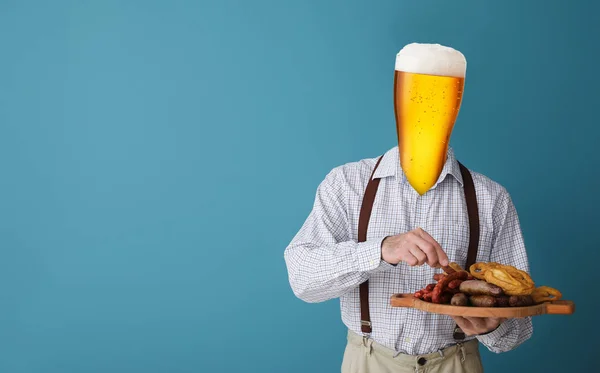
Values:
[(365, 327), (458, 334)]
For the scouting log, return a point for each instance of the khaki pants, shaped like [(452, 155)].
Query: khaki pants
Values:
[(368, 356)]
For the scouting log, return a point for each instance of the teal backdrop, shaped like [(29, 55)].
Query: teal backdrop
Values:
[(157, 157)]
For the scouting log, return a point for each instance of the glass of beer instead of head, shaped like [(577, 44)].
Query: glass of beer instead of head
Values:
[(428, 86)]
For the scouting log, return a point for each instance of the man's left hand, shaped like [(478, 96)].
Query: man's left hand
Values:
[(477, 325)]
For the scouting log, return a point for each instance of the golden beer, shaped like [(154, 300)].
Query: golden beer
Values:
[(426, 108)]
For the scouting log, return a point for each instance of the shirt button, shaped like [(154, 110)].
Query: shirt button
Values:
[(421, 361)]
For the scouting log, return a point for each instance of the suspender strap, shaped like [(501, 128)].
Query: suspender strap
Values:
[(473, 212), (363, 225)]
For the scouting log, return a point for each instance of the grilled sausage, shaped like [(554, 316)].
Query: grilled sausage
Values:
[(478, 287), (502, 301), (446, 297), (459, 299), (520, 300), (430, 287), (441, 286), (482, 301), (454, 284), (439, 276)]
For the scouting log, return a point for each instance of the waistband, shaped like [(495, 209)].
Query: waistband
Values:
[(471, 347)]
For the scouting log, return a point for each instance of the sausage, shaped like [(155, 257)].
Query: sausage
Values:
[(420, 294), (454, 284), (439, 276), (443, 283), (479, 287), (430, 287), (452, 291), (446, 297), (482, 301), (459, 299), (502, 301), (520, 300)]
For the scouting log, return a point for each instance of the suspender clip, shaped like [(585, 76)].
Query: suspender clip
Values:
[(458, 334)]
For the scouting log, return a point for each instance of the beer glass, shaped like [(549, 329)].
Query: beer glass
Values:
[(428, 87)]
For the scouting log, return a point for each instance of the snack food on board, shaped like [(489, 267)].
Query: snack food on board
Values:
[(503, 301), (482, 301), (512, 280), (479, 287), (455, 266), (478, 269), (488, 284), (545, 294), (459, 299), (520, 301), (441, 286)]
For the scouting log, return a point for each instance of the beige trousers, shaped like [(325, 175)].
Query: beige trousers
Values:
[(367, 356)]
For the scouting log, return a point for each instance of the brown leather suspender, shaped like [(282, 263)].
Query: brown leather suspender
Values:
[(473, 213), (363, 224)]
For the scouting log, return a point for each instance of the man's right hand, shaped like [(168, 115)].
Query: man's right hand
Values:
[(415, 248)]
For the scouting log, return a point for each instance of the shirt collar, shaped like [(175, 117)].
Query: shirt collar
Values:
[(390, 166)]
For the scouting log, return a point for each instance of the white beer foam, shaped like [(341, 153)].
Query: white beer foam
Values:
[(431, 59)]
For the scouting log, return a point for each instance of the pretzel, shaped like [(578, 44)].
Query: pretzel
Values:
[(512, 280), (478, 269), (545, 294)]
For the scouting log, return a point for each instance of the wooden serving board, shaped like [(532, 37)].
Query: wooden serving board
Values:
[(559, 307)]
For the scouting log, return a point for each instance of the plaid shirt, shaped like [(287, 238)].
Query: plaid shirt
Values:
[(324, 260)]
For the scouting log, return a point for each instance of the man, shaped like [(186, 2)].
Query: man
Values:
[(418, 221)]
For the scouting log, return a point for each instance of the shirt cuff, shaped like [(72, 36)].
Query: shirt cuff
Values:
[(369, 256), (491, 338)]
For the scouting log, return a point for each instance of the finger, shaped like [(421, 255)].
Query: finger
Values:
[(417, 253), (486, 324), (426, 236), (477, 322), (441, 254), (410, 259), (427, 248), (462, 322), (442, 257), (497, 320), (437, 254)]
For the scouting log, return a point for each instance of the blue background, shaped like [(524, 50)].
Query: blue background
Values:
[(157, 157)]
